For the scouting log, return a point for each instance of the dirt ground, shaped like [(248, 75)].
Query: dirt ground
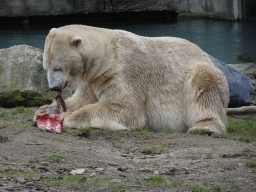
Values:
[(35, 160)]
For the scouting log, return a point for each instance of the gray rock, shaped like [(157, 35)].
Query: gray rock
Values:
[(46, 164), (42, 168), (92, 174), (36, 178), (116, 181), (99, 169), (245, 68), (21, 68), (21, 180), (123, 169)]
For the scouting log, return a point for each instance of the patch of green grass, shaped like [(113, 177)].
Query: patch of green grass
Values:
[(155, 181), (251, 164), (30, 174), (158, 181), (215, 148), (205, 183), (199, 189), (1, 69), (60, 139), (22, 111), (53, 180), (22, 127), (3, 137), (216, 188), (30, 141), (154, 149), (11, 173), (232, 185), (85, 132), (57, 158), (74, 181), (239, 129), (142, 131)]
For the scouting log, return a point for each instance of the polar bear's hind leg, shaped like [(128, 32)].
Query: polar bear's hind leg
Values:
[(206, 99)]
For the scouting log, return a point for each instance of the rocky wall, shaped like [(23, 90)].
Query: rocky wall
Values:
[(225, 8)]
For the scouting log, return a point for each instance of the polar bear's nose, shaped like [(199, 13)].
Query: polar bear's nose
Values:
[(57, 88)]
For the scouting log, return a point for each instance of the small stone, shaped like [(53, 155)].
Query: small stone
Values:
[(21, 180), (116, 181), (123, 169), (22, 170), (122, 175), (42, 168), (36, 178), (92, 174), (77, 171), (100, 169), (46, 164), (156, 172), (142, 157), (47, 174)]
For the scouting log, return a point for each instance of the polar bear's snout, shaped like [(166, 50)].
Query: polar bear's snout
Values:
[(56, 81)]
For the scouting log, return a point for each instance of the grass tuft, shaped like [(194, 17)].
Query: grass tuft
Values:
[(239, 129), (199, 189), (57, 158), (85, 132)]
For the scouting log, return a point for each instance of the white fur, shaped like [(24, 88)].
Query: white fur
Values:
[(124, 81)]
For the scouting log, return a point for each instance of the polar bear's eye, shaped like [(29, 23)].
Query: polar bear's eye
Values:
[(57, 69)]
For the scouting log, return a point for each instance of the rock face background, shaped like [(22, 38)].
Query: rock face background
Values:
[(223, 8), (21, 68)]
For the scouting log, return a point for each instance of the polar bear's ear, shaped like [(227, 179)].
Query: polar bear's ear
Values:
[(76, 40), (53, 29)]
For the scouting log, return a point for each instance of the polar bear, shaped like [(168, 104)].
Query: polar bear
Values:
[(124, 81)]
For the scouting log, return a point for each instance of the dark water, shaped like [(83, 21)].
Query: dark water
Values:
[(221, 39)]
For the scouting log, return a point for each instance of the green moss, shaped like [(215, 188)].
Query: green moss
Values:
[(1, 69), (40, 58), (25, 99)]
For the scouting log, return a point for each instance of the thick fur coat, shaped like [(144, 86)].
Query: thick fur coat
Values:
[(123, 81)]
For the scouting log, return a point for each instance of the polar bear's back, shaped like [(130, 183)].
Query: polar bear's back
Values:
[(156, 69)]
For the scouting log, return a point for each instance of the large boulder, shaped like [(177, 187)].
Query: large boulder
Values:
[(23, 81), (248, 69), (21, 69)]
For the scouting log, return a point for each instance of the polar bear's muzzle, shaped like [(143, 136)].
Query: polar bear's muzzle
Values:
[(59, 87), (56, 81)]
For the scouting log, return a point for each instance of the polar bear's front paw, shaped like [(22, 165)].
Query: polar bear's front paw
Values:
[(208, 127), (73, 120), (68, 120)]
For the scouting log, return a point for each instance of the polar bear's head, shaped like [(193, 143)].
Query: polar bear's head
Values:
[(74, 53), (62, 60)]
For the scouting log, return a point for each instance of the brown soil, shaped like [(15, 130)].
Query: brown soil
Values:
[(125, 160)]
